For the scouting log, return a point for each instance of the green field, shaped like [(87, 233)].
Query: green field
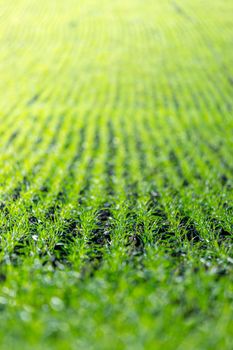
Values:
[(116, 174)]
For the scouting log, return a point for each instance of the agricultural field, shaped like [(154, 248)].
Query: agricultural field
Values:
[(116, 174)]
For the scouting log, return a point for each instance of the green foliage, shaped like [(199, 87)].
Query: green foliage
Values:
[(116, 166)]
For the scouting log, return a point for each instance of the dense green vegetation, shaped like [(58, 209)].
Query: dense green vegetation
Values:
[(116, 227)]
